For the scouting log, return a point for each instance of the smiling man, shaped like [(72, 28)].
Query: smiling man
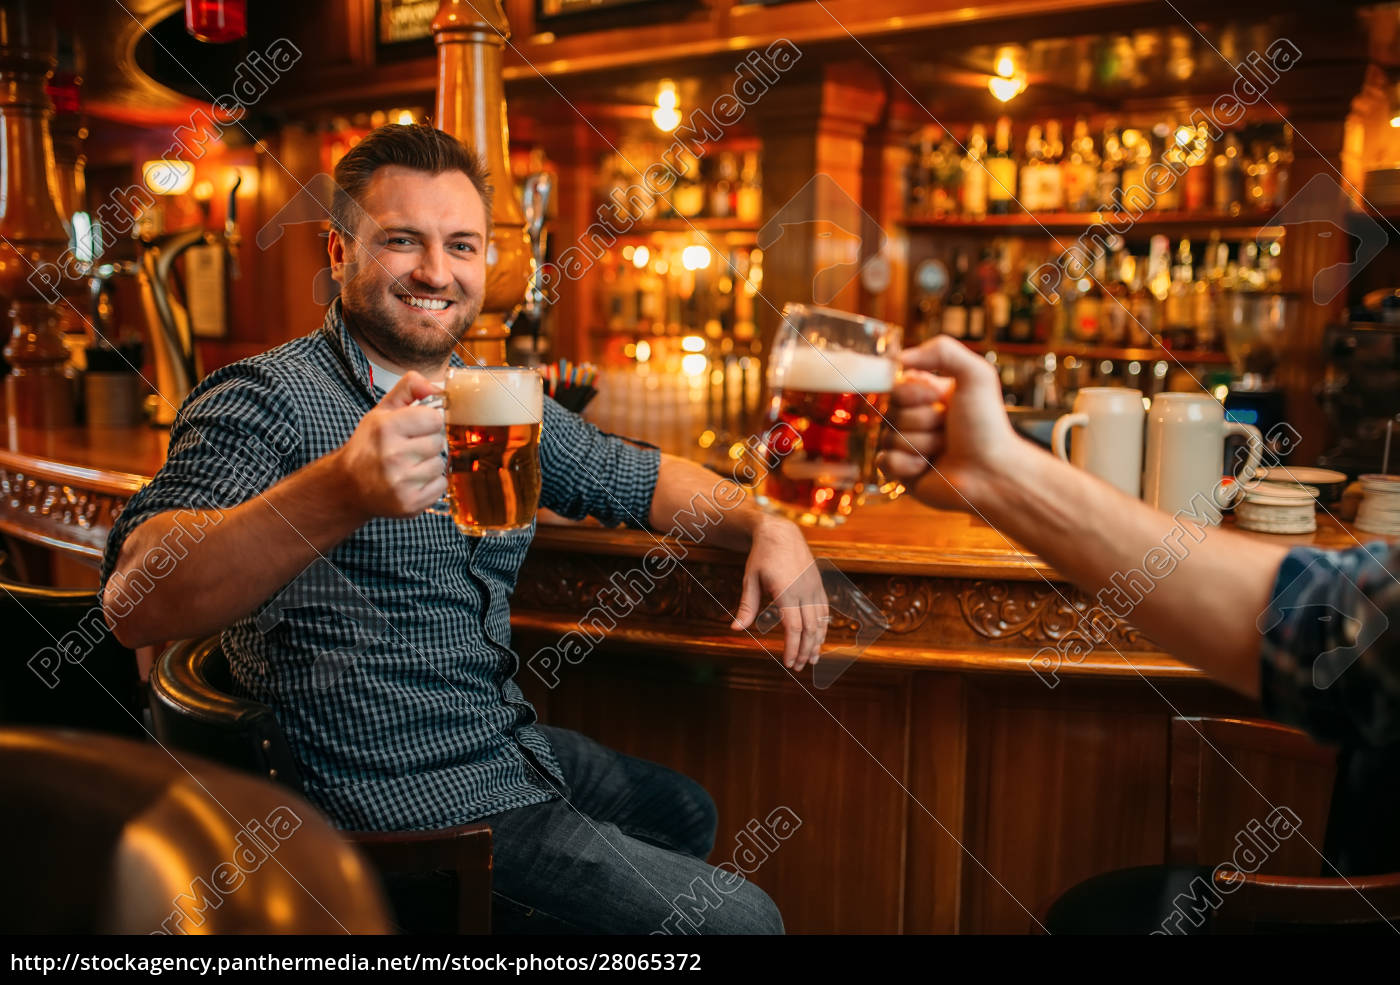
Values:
[(325, 548)]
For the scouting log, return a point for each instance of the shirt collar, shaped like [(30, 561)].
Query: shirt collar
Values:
[(351, 355)]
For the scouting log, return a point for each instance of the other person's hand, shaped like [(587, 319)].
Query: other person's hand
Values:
[(781, 566), (950, 440), (392, 463)]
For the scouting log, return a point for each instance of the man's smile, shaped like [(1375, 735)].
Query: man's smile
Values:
[(425, 303)]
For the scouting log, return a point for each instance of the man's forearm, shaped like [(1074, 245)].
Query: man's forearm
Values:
[(1197, 595), (702, 506), (192, 572)]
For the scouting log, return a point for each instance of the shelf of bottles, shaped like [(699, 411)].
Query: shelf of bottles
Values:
[(674, 323), (1176, 267)]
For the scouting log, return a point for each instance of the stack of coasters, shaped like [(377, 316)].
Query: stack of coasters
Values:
[(1278, 508), (1380, 505)]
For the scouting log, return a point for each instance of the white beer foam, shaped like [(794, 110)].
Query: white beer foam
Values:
[(494, 399), (837, 371)]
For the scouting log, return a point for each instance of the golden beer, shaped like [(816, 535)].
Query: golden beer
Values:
[(824, 435), (830, 375), (493, 419)]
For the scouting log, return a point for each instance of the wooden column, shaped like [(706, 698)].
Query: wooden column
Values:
[(886, 167), (38, 392), (814, 129), (471, 37)]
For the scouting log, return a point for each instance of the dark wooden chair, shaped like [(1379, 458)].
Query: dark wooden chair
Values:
[(63, 667), (193, 707), (1211, 804), (1228, 778), (106, 836)]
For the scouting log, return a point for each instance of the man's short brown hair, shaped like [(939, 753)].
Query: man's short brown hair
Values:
[(414, 145)]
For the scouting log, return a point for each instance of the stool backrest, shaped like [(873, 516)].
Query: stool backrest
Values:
[(193, 708)]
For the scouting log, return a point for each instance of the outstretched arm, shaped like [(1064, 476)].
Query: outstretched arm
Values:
[(955, 449)]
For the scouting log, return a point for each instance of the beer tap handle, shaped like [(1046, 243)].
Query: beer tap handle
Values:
[(535, 195), (231, 235)]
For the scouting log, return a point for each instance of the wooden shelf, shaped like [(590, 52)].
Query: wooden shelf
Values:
[(1082, 351), (693, 226), (1246, 225)]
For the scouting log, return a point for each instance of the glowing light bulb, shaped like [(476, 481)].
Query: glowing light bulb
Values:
[(666, 115), (693, 343), (695, 257), (641, 257)]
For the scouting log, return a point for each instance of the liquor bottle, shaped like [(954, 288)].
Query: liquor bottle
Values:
[(1137, 155), (722, 190), (1080, 170), (1110, 168), (1178, 314), (1255, 164), (974, 178), (1023, 311), (1089, 307), (1143, 306), (947, 162), (1197, 191), (1168, 189), (1031, 167), (995, 289), (1051, 180), (1229, 177), (1206, 292), (688, 195), (955, 306), (748, 203), (1113, 323), (977, 299), (1285, 163), (1001, 167)]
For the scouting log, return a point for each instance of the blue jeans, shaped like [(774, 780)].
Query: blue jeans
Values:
[(624, 854)]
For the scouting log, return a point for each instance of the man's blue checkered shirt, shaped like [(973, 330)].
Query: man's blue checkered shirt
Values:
[(389, 663)]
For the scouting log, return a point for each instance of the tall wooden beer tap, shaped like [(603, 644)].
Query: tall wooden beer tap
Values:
[(38, 391), (471, 38)]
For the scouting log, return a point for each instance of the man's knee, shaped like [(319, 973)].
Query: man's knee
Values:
[(699, 807), (750, 911)]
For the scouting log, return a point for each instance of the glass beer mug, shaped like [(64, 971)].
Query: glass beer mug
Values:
[(492, 415), (830, 374)]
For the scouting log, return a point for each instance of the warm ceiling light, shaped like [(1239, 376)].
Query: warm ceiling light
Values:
[(168, 177), (666, 116), (1010, 80), (405, 118)]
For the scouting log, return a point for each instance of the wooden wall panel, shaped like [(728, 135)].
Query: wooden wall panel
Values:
[(758, 740), (1061, 785)]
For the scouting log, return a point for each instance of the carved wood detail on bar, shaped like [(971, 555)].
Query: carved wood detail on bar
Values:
[(1035, 611), (64, 515)]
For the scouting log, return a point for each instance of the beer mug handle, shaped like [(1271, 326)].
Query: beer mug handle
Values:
[(442, 507), (1255, 442), (1063, 424)]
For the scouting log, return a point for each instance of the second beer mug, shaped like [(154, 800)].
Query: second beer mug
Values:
[(830, 374), (493, 416), (1110, 442)]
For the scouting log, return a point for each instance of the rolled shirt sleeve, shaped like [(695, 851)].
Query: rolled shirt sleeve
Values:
[(589, 473), (1330, 654), (233, 439)]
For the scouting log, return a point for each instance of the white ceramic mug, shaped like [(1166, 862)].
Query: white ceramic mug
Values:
[(1186, 451), (1110, 444)]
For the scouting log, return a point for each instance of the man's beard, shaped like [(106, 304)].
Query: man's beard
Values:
[(377, 314)]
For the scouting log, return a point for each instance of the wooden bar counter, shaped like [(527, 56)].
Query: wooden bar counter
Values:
[(941, 782)]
